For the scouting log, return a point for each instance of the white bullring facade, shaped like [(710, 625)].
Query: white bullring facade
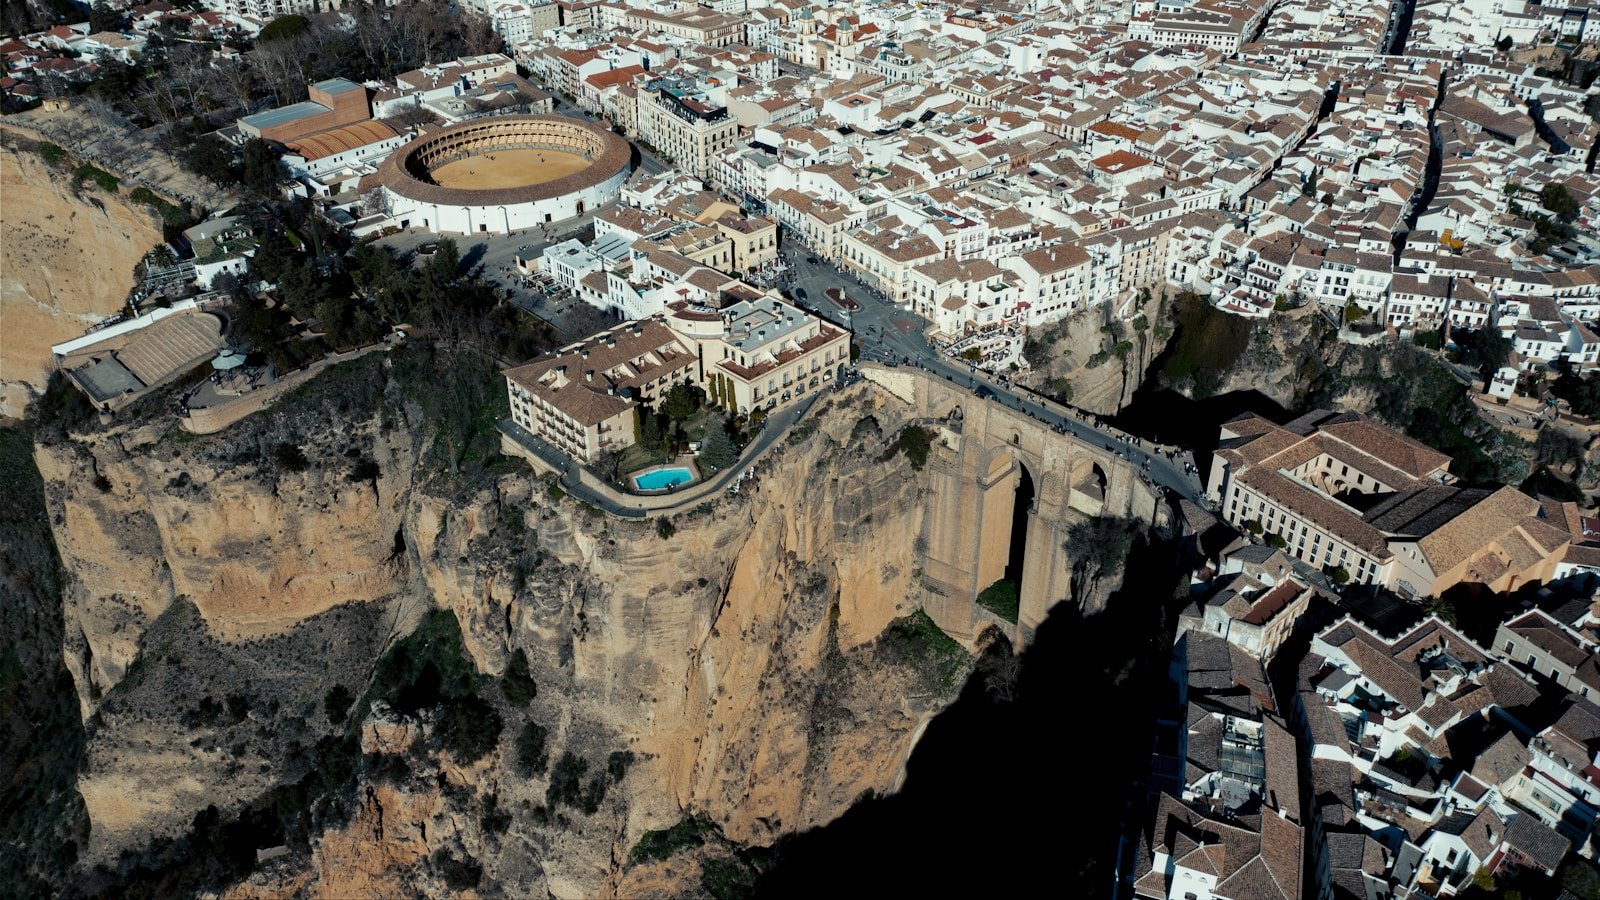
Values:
[(415, 200)]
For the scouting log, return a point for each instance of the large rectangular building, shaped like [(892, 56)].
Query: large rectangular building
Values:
[(582, 398), (1339, 491), (330, 104), (752, 354), (685, 125)]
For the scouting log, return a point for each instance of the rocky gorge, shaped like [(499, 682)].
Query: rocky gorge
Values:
[(295, 642)]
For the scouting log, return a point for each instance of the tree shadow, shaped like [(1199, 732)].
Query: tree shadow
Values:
[(1002, 795)]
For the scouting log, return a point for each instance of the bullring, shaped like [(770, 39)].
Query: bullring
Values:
[(504, 174)]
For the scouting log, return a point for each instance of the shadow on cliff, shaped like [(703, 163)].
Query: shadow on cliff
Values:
[(1002, 795)]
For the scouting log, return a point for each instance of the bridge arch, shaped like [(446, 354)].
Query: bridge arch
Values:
[(972, 513)]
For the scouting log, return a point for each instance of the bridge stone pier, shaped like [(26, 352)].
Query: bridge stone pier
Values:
[(986, 457)]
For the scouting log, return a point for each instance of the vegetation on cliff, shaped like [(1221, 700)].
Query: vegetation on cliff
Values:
[(41, 738), (1207, 343)]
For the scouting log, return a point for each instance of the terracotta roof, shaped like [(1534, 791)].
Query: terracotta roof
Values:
[(338, 140)]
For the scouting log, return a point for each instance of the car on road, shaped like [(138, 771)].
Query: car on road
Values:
[(813, 260), (427, 249), (800, 294)]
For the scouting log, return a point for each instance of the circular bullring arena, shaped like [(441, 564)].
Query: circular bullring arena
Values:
[(504, 174)]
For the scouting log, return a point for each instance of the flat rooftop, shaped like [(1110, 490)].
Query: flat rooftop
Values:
[(294, 112), (106, 378), (755, 323), (338, 86)]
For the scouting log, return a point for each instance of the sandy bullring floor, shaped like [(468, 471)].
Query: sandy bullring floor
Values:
[(508, 169)]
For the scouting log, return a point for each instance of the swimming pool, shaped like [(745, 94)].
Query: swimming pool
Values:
[(661, 479)]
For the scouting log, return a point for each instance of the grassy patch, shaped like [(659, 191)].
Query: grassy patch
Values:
[(917, 642), (1001, 598)]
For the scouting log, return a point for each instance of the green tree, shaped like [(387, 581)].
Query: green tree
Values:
[(682, 401), (533, 758), (1504, 44), (103, 18), (1556, 198), (209, 157), (717, 451), (1310, 186), (1098, 548), (336, 703), (261, 170), (649, 430), (439, 275), (284, 27), (469, 728), (1439, 606)]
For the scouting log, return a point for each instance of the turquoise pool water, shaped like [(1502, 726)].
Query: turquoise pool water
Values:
[(661, 479)]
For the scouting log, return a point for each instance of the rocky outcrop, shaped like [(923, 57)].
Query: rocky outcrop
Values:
[(223, 586), (69, 256), (1078, 359)]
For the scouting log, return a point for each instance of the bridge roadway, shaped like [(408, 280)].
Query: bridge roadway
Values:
[(892, 335)]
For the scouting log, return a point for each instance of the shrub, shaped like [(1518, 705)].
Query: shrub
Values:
[(365, 470), (105, 180), (663, 843), (915, 441), (1001, 599), (1253, 526), (566, 782), (1340, 575), (665, 529), (1207, 343), (517, 684), (458, 874), (726, 879), (618, 762), (1277, 541), (51, 153), (532, 756), (469, 728), (336, 703), (917, 642), (290, 457), (494, 819)]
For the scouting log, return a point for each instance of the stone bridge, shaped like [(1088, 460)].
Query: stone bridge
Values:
[(987, 458)]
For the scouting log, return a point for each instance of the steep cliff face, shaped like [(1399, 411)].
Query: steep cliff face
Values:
[(68, 260), (733, 666), (1094, 364)]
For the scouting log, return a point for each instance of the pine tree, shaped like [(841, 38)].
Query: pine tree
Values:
[(717, 451)]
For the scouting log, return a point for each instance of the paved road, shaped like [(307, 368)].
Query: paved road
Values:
[(888, 333)]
